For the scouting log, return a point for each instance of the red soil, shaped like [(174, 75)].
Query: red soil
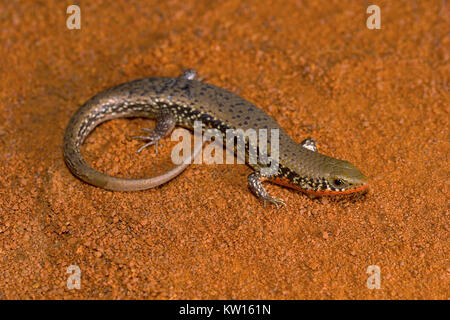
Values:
[(378, 98)]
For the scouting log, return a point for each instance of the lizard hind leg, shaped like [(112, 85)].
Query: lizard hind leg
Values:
[(164, 125), (166, 122), (189, 74)]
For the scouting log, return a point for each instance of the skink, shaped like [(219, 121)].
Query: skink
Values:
[(181, 101)]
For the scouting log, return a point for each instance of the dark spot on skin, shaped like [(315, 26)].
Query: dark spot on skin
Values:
[(216, 123), (206, 117)]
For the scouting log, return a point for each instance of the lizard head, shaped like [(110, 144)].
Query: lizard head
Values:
[(343, 177), (322, 175)]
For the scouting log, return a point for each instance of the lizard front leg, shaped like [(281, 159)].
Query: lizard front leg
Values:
[(255, 184)]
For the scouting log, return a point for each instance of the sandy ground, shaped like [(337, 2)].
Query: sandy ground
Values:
[(378, 98)]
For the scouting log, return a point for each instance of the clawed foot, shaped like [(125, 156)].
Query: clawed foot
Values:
[(190, 74), (153, 139), (254, 183), (275, 201)]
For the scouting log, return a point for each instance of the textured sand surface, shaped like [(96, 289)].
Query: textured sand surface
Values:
[(378, 98)]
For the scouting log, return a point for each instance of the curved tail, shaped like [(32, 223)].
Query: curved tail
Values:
[(76, 132), (79, 167)]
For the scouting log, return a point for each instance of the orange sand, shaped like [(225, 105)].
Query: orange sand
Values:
[(378, 98)]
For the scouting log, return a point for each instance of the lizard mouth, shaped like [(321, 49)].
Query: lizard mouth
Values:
[(287, 183), (359, 189)]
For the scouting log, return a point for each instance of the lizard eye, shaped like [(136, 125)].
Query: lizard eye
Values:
[(338, 183)]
